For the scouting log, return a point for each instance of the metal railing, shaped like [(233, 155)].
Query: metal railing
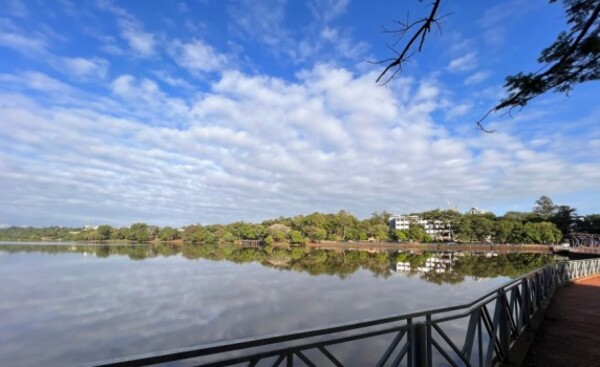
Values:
[(493, 323)]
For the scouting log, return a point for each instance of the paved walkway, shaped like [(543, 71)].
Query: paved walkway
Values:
[(570, 332)]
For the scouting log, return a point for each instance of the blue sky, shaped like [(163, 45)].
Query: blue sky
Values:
[(185, 112)]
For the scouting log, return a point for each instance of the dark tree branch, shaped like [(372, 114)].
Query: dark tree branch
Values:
[(515, 99), (573, 58), (421, 32), (556, 75)]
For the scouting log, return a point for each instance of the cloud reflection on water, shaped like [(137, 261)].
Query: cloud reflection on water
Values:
[(68, 308)]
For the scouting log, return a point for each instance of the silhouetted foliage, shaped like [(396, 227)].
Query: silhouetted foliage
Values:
[(572, 59)]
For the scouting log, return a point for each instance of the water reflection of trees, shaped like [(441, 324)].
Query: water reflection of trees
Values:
[(341, 263)]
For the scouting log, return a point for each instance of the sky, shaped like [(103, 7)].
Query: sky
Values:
[(206, 111)]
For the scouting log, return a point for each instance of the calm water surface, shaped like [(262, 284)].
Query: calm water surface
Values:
[(71, 304)]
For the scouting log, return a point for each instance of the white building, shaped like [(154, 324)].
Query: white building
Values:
[(434, 228), (475, 210)]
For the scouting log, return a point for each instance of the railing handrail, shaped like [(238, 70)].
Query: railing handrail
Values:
[(250, 342)]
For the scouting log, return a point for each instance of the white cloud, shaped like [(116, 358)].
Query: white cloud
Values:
[(35, 81), (463, 63), (141, 42), (122, 86), (197, 56), (328, 10), (458, 110), (17, 39), (147, 102), (341, 44), (83, 68), (172, 81), (256, 147), (477, 78), (262, 21)]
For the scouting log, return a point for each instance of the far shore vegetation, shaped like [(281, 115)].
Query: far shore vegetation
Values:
[(545, 224)]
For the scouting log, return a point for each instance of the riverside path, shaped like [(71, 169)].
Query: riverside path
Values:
[(570, 332)]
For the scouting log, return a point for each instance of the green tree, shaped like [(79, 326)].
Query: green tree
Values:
[(138, 232), (378, 218), (296, 237), (416, 233), (226, 237), (400, 236), (168, 234), (503, 231), (343, 222), (549, 233), (104, 232), (522, 216), (591, 223), (544, 207), (482, 227), (120, 234), (531, 233), (315, 233), (463, 229), (380, 232), (278, 231), (564, 218)]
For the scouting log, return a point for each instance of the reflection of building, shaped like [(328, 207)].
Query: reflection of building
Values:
[(440, 263), (435, 228)]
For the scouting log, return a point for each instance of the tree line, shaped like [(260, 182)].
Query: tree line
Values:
[(546, 223)]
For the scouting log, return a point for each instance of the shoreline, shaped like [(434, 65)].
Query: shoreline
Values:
[(335, 245)]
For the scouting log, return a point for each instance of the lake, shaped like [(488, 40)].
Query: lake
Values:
[(68, 304)]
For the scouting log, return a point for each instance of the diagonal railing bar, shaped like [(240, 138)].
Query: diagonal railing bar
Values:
[(450, 343), (330, 356), (510, 305), (444, 353), (514, 304), (519, 308), (390, 349), (493, 343), (305, 359), (279, 360), (467, 348), (403, 352)]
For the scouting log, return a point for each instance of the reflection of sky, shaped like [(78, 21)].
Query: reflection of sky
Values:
[(58, 309)]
